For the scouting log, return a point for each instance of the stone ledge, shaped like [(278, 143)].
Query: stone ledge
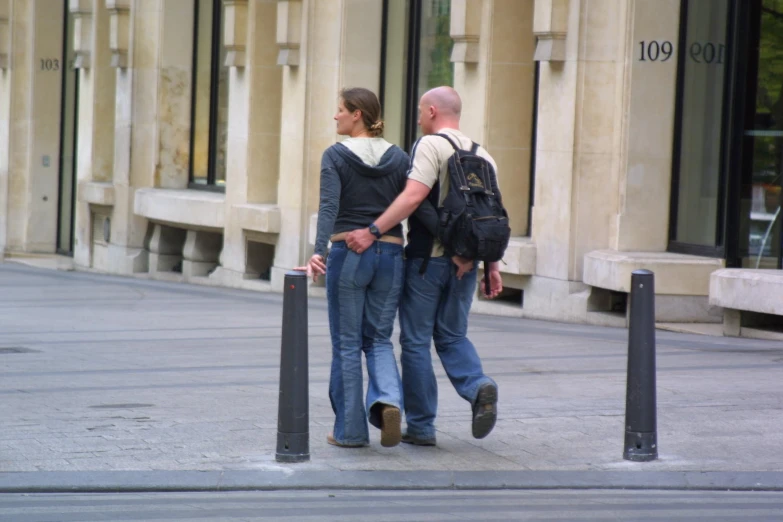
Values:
[(750, 290), (258, 218), (189, 208), (520, 258), (97, 193), (675, 274)]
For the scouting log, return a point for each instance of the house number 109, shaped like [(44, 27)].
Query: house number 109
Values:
[(655, 51)]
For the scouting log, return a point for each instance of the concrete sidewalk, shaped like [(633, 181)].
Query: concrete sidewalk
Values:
[(105, 377)]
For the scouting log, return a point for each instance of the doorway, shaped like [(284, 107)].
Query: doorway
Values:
[(68, 141)]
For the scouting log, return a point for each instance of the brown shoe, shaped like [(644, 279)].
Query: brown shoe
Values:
[(331, 440), (391, 434)]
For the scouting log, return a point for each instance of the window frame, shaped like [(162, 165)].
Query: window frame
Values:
[(722, 229), (214, 93)]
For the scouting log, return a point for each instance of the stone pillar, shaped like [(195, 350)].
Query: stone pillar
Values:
[(255, 98), (126, 250), (200, 253), (555, 141), (95, 155), (295, 56)]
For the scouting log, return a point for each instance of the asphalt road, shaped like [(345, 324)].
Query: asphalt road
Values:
[(407, 506)]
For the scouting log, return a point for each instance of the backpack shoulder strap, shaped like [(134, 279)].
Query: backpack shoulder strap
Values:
[(474, 148), (454, 145)]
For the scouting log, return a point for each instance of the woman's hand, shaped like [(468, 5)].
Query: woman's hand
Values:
[(315, 267), (464, 265)]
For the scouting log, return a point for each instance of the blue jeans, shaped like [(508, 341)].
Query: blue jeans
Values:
[(363, 294), (435, 306)]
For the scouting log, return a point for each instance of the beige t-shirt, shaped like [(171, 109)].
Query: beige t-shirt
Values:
[(430, 163)]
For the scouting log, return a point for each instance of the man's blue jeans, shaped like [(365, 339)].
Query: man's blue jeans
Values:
[(363, 294), (435, 306)]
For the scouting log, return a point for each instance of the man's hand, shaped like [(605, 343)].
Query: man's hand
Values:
[(495, 284), (359, 240), (315, 267), (464, 265)]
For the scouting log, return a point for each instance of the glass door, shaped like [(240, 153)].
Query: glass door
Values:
[(68, 142), (762, 139), (699, 169)]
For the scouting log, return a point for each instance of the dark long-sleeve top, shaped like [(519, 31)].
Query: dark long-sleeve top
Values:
[(354, 193)]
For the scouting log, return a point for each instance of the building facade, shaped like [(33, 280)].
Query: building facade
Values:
[(181, 139)]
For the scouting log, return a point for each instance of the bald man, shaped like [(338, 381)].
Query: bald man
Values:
[(438, 289)]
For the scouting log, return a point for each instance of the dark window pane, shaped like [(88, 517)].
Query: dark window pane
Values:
[(764, 145), (701, 122)]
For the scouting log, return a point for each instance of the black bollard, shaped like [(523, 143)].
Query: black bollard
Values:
[(641, 439), (293, 418)]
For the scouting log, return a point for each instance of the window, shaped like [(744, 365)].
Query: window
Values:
[(209, 116), (698, 170), (416, 56), (728, 161), (760, 234)]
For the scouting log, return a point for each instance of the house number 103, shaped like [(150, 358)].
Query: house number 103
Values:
[(50, 64)]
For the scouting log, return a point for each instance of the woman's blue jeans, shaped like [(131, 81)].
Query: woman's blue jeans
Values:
[(363, 294)]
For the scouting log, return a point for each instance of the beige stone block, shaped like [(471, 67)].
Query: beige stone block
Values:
[(263, 26), (328, 35), (96, 193), (599, 108), (258, 218), (520, 257), (510, 109), (263, 168), (361, 45), (513, 40), (645, 199), (144, 143), (750, 290), (237, 150), (604, 30), (656, 19), (195, 209), (145, 49), (324, 97), (265, 101), (514, 177), (145, 96), (556, 107), (686, 309), (552, 213), (595, 207), (176, 50), (174, 128), (122, 147), (675, 274)]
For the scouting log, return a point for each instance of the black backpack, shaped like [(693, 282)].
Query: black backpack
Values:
[(472, 220)]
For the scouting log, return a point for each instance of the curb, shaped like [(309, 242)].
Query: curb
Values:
[(190, 481)]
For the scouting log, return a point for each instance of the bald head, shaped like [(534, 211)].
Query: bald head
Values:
[(445, 99)]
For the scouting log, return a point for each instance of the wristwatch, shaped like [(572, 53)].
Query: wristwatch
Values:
[(375, 232)]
